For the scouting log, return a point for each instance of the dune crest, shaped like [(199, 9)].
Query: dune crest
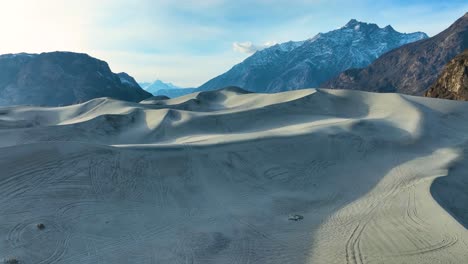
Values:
[(213, 177)]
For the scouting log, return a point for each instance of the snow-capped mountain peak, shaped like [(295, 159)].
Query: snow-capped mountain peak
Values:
[(287, 46), (158, 85), (358, 25), (302, 64), (352, 23)]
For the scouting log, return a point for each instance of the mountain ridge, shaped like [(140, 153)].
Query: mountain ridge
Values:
[(294, 65), (409, 69), (62, 78)]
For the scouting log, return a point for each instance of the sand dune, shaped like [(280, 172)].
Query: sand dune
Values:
[(213, 177)]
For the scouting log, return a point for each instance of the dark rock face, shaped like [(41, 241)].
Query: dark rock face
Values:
[(410, 69), (305, 64), (61, 78), (128, 80), (453, 82)]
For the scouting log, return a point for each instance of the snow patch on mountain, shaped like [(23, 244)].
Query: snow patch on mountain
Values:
[(302, 64)]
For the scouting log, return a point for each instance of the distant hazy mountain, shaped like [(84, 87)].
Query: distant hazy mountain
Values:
[(294, 65), (62, 78), (159, 87), (453, 82), (410, 69), (144, 84)]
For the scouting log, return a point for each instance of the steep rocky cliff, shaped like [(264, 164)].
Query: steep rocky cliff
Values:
[(453, 82)]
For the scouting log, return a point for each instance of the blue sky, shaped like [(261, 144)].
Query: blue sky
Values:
[(189, 42)]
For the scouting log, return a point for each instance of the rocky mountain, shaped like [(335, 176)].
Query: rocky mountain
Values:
[(453, 82), (128, 80), (294, 65), (410, 69), (62, 78)]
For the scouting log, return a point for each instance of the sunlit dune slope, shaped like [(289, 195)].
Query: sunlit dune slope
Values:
[(214, 177)]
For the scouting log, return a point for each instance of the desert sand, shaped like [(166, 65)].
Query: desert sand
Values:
[(215, 177)]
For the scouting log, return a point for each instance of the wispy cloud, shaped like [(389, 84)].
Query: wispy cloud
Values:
[(191, 41), (249, 48)]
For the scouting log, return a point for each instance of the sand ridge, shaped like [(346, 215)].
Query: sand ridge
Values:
[(212, 177)]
